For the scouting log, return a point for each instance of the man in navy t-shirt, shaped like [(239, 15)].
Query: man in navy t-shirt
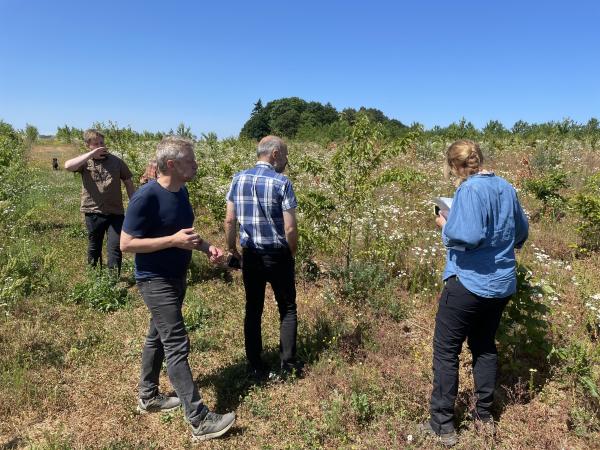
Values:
[(158, 228)]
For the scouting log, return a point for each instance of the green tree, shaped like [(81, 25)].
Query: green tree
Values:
[(461, 130), (494, 128), (592, 129), (257, 126), (185, 132), (258, 107), (286, 124), (31, 134), (357, 170), (521, 127), (63, 134)]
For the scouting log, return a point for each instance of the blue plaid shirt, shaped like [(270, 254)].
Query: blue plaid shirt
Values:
[(260, 196)]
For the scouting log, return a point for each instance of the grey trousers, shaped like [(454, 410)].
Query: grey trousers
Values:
[(167, 339)]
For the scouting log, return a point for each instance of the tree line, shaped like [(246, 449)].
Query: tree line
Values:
[(296, 118)]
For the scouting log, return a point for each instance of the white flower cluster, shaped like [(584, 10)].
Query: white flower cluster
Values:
[(543, 258), (593, 305)]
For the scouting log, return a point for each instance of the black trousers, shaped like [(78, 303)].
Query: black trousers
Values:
[(277, 268), (463, 315), (98, 225)]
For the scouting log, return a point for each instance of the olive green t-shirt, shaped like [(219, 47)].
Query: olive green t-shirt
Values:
[(101, 192)]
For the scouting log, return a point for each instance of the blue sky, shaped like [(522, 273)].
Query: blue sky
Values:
[(154, 64)]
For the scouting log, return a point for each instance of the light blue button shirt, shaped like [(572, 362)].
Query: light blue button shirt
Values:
[(486, 223)]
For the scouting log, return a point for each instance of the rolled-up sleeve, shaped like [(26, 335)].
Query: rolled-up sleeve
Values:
[(466, 226)]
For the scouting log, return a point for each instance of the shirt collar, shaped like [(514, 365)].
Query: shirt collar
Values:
[(265, 164), (484, 174)]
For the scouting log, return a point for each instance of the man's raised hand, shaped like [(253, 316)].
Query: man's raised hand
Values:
[(98, 152)]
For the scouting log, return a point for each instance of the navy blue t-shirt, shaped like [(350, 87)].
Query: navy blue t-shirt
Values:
[(154, 211)]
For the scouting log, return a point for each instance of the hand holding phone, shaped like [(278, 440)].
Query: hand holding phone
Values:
[(234, 262)]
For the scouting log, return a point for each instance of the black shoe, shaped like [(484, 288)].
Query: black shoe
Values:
[(292, 371), (449, 439), (258, 374)]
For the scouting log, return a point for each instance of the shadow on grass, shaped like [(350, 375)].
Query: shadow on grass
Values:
[(232, 383), (41, 353), (72, 229), (15, 442)]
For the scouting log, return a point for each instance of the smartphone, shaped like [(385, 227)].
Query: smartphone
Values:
[(234, 262)]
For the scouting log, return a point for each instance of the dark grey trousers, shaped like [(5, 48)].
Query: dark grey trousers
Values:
[(167, 338), (463, 315)]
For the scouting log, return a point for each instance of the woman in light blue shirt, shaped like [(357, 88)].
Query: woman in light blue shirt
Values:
[(485, 224)]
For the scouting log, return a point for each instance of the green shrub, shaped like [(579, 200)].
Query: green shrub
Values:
[(586, 205), (522, 333), (362, 407), (546, 188), (23, 271), (314, 339), (545, 158), (575, 364), (360, 283), (334, 413), (31, 134), (14, 181), (196, 316), (100, 291), (201, 269), (583, 421)]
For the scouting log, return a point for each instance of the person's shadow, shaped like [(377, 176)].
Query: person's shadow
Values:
[(232, 383), (14, 443)]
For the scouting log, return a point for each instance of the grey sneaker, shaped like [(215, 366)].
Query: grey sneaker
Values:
[(447, 439), (158, 403), (213, 426)]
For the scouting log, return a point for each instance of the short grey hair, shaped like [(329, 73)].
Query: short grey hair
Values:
[(171, 147), (268, 144)]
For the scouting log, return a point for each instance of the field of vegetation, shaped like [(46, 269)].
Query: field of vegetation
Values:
[(368, 277)]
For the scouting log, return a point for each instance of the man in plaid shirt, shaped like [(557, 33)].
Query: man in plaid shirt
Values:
[(262, 201)]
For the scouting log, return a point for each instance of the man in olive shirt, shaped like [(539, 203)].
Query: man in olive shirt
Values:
[(101, 199)]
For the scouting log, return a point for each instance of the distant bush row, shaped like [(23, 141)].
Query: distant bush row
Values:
[(298, 119)]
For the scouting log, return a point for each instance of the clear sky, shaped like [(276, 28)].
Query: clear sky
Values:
[(154, 64)]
